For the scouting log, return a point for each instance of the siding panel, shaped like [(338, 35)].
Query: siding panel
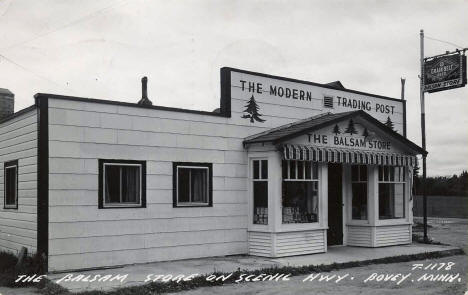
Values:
[(392, 235), (81, 135), (359, 236), (299, 243), (260, 244), (18, 141)]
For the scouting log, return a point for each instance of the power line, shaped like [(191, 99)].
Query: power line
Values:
[(75, 22), (28, 70), (442, 41)]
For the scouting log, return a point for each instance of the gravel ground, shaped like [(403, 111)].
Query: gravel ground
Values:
[(358, 285), (454, 234), (18, 291)]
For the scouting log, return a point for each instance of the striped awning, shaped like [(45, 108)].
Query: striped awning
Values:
[(322, 154)]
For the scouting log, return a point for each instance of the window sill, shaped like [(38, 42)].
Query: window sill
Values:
[(386, 222), (358, 223), (11, 207), (192, 206), (122, 206), (286, 227)]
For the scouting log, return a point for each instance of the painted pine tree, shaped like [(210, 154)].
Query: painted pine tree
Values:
[(252, 108), (365, 133), (351, 129), (389, 123), (336, 129)]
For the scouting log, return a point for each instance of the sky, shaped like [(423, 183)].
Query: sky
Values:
[(102, 48)]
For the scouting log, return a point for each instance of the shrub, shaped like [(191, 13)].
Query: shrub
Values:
[(9, 272)]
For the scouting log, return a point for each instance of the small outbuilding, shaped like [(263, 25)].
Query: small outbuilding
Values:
[(283, 167)]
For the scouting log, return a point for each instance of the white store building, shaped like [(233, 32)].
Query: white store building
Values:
[(283, 167)]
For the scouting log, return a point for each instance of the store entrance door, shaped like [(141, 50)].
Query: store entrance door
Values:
[(335, 205)]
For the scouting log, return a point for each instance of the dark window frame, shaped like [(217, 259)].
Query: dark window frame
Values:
[(101, 203), (209, 166), (8, 165)]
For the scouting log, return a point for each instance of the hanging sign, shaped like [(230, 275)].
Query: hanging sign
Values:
[(444, 72)]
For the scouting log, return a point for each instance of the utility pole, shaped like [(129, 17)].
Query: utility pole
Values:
[(423, 134)]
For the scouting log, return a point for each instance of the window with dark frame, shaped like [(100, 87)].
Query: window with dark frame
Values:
[(193, 184), (260, 191), (392, 181), (11, 185), (359, 179), (122, 184)]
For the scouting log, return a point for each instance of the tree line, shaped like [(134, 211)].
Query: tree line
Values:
[(456, 185)]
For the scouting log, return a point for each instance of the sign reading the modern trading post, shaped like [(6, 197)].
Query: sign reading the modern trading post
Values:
[(444, 72), (269, 101)]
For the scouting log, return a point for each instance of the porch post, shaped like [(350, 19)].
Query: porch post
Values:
[(373, 197), (274, 191)]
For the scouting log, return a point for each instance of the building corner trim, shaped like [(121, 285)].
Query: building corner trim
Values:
[(43, 177), (225, 104)]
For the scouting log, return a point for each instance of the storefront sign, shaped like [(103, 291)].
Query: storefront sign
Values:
[(270, 101), (348, 135), (444, 72)]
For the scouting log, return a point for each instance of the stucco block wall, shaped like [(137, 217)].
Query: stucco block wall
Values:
[(18, 141)]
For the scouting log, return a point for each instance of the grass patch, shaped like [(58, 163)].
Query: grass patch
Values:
[(9, 272), (51, 288), (419, 226), (420, 239)]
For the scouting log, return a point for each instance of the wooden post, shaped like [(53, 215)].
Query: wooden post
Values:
[(423, 134)]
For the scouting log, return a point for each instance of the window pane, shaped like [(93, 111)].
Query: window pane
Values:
[(10, 186), (284, 166), (392, 173), (399, 197), (308, 170), (264, 169), (354, 173), (183, 185), (260, 195), (300, 201), (385, 168), (314, 170), (256, 169), (130, 184), (359, 201), (300, 170), (362, 172), (199, 188), (398, 175), (112, 184), (391, 200), (292, 169), (380, 173)]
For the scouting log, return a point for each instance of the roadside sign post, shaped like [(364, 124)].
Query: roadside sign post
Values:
[(438, 73), (423, 134)]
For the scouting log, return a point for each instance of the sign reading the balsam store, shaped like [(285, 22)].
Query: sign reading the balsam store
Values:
[(444, 72), (348, 135)]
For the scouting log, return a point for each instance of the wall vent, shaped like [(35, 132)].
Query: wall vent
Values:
[(328, 102)]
